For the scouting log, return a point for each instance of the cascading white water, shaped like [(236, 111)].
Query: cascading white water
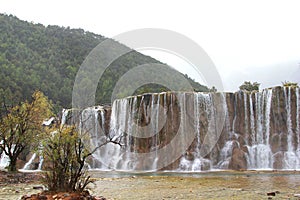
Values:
[(267, 116), (156, 127), (197, 122), (4, 160), (259, 117), (125, 125), (246, 112), (297, 119), (252, 120), (112, 156), (260, 154), (202, 104), (287, 95), (291, 156), (225, 155), (250, 131), (91, 125), (128, 114), (125, 119), (41, 159), (298, 126), (29, 163), (64, 117), (141, 117)]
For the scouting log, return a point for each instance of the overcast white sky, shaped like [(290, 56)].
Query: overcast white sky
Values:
[(247, 40)]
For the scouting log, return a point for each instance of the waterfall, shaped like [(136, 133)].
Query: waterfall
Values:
[(209, 117), (298, 120), (197, 122), (92, 123), (298, 127), (246, 112), (41, 159), (135, 119), (65, 113), (225, 155), (113, 156), (30, 164), (287, 95), (260, 154), (267, 116), (27, 166), (291, 156), (141, 124), (4, 160), (188, 132), (261, 131), (252, 120)]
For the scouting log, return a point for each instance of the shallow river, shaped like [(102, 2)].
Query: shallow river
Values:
[(212, 185)]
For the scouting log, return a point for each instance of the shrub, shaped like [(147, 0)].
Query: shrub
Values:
[(289, 84), (65, 156), (248, 86)]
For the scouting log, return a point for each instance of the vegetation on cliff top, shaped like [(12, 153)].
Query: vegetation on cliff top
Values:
[(248, 86), (289, 84)]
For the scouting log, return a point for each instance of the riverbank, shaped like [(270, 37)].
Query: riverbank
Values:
[(212, 185), (15, 185)]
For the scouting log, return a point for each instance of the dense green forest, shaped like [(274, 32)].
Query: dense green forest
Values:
[(36, 57)]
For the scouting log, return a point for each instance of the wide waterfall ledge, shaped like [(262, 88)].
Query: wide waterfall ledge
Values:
[(195, 131)]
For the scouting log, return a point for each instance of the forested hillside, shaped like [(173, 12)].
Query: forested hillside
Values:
[(33, 57)]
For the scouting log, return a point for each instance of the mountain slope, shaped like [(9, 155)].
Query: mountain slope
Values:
[(33, 56)]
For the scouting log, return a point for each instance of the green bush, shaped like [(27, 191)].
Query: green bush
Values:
[(248, 86), (65, 156)]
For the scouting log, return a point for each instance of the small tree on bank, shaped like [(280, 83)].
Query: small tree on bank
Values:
[(65, 157), (248, 86), (66, 151), (21, 127)]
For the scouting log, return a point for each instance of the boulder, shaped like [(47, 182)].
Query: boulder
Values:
[(238, 160)]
